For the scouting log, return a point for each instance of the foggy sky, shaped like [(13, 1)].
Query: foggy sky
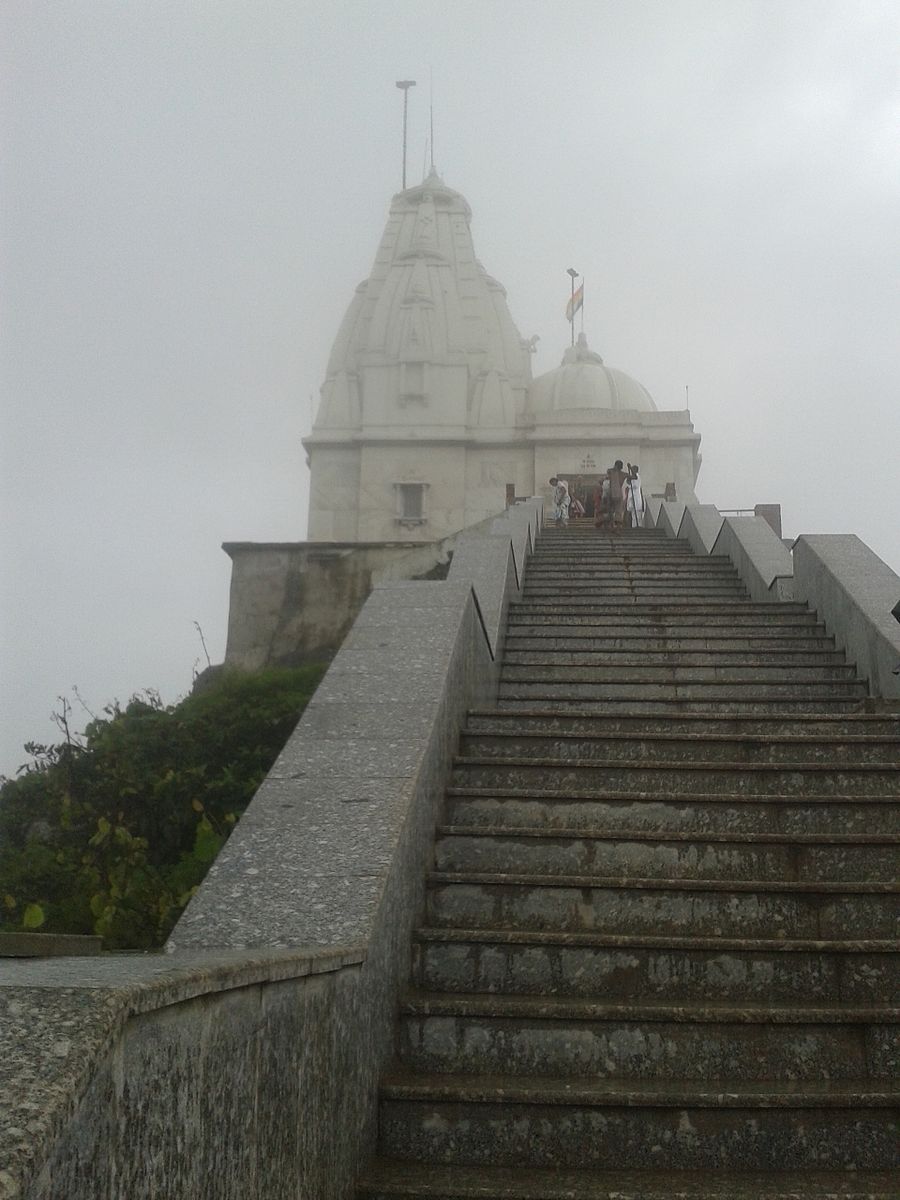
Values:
[(192, 191)]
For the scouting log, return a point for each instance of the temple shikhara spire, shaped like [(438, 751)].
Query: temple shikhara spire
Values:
[(429, 412)]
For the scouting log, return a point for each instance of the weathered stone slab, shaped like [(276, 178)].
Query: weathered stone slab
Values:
[(680, 1137), (638, 970)]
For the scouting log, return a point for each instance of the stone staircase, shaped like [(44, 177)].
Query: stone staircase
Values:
[(658, 958)]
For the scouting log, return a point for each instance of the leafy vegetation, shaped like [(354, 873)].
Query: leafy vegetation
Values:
[(111, 832)]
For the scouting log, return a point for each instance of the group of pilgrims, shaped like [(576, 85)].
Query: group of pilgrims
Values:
[(617, 500)]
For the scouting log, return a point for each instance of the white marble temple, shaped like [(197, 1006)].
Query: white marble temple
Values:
[(429, 410)]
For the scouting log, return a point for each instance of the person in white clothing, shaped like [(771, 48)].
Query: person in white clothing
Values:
[(634, 496), (561, 500)]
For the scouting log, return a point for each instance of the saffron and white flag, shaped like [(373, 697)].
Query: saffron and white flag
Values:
[(575, 302)]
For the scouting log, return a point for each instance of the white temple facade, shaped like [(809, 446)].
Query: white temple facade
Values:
[(429, 411)]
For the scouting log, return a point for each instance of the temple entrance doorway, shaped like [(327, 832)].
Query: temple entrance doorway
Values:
[(582, 487)]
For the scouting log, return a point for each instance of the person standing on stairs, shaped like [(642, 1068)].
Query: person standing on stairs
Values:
[(601, 502), (617, 479), (634, 496), (561, 500)]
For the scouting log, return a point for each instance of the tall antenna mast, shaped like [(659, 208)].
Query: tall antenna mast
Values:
[(431, 113), (405, 85)]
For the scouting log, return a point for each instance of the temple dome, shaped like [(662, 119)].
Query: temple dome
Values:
[(429, 329), (584, 381)]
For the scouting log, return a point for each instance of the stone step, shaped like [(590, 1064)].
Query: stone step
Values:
[(534, 1036), (597, 542), (564, 552), (609, 854), (669, 595), (563, 555), (562, 777), (526, 652), (584, 529), (664, 812), (805, 725), (633, 622), (561, 569), (587, 575), (626, 638), (588, 1123), (632, 671), (624, 631), (635, 541), (610, 570), (590, 548), (563, 561), (771, 691), (704, 907), (562, 564), (642, 613), (388, 1179), (728, 704), (659, 593), (684, 746), (763, 614), (653, 968)]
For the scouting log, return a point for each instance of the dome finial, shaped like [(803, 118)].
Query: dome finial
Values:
[(581, 352)]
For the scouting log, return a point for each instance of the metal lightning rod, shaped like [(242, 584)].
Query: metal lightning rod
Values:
[(405, 85)]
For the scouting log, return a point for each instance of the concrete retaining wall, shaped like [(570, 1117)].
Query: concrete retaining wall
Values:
[(331, 853), (293, 602)]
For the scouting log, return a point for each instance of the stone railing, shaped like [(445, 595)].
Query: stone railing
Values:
[(855, 594), (149, 1076), (246, 1060), (837, 575)]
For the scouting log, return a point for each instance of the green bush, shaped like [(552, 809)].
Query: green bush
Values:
[(112, 832)]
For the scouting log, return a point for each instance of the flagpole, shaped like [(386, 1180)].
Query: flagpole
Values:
[(573, 275)]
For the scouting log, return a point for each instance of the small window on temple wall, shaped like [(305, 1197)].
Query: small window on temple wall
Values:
[(410, 503)]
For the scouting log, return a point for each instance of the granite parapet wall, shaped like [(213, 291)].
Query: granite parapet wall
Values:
[(267, 1083), (856, 595), (183, 1075)]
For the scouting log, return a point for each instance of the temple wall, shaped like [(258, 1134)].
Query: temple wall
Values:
[(442, 472), (334, 494), (488, 470)]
